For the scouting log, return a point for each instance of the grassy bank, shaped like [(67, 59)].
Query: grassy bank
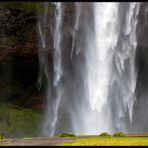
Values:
[(19, 122), (108, 141)]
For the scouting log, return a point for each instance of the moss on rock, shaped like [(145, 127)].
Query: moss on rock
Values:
[(105, 134), (66, 135), (19, 122), (119, 134)]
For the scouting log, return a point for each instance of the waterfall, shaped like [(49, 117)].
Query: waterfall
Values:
[(127, 74), (52, 99), (100, 57), (76, 26), (124, 73), (57, 63), (92, 86), (57, 43)]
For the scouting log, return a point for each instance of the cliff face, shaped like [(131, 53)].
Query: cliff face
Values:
[(19, 46), (19, 53), (142, 47), (142, 63)]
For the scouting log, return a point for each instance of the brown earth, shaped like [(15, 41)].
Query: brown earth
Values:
[(40, 141)]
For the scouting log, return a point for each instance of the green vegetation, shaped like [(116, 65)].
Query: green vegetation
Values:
[(66, 135), (19, 122), (107, 141), (27, 6), (105, 134), (5, 145), (119, 134), (1, 135)]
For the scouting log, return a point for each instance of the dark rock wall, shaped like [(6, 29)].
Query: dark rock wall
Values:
[(140, 108), (18, 55)]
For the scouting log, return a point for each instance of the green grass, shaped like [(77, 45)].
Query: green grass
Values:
[(5, 145), (108, 141), (18, 122)]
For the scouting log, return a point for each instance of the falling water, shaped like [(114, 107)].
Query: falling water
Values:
[(84, 92), (57, 63), (100, 57), (127, 82), (101, 74), (54, 99), (76, 26), (57, 43)]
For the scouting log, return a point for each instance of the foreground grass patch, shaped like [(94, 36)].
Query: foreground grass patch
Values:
[(108, 141)]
